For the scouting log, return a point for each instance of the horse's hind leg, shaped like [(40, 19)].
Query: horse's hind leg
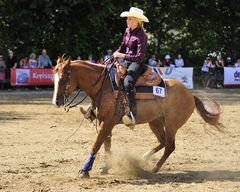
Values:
[(157, 127), (170, 132)]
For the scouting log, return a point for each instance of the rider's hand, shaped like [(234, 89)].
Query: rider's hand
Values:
[(118, 55)]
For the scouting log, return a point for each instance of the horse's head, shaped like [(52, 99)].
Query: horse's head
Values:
[(64, 84)]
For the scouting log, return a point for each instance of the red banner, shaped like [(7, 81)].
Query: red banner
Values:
[(26, 77)]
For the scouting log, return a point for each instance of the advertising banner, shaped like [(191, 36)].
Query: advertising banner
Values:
[(184, 74), (27, 77), (231, 76)]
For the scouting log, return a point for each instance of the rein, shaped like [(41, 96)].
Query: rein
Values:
[(69, 105)]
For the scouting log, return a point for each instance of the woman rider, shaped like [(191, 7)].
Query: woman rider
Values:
[(132, 50)]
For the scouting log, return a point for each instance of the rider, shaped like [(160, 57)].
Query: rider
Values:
[(132, 49)]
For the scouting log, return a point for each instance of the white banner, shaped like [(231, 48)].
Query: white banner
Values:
[(231, 76), (184, 74)]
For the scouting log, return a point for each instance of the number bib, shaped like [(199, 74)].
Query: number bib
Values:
[(159, 91)]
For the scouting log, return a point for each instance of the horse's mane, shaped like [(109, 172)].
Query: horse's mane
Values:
[(88, 63), (61, 61)]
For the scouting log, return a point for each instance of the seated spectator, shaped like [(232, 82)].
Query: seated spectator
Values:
[(229, 62), (79, 57), (11, 62), (167, 61), (24, 63), (109, 54), (100, 60), (32, 61), (237, 64), (179, 61), (153, 62), (44, 61), (90, 59)]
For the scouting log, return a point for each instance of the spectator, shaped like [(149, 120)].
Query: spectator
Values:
[(179, 61), (90, 59), (219, 69), (32, 61), (205, 71), (153, 62), (24, 63), (11, 62), (44, 60), (109, 54), (100, 60), (229, 62), (237, 64), (167, 61), (79, 57), (219, 64), (2, 68)]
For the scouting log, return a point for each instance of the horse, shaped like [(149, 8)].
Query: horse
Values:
[(163, 115)]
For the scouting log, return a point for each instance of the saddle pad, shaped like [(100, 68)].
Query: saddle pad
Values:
[(146, 92), (142, 92)]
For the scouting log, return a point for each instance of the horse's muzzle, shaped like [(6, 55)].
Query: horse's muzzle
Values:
[(58, 102)]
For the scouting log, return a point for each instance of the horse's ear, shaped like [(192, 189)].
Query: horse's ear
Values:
[(58, 60), (63, 57), (68, 61)]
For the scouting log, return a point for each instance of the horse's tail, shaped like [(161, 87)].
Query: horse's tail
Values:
[(210, 111)]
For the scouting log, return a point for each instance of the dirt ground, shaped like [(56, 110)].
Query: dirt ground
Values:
[(36, 157)]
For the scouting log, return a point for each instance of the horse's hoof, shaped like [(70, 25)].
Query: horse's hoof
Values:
[(104, 170), (148, 154), (155, 169), (84, 174)]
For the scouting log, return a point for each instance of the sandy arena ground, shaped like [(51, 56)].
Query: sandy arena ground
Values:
[(36, 157)]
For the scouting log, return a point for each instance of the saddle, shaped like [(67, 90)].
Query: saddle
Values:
[(145, 82)]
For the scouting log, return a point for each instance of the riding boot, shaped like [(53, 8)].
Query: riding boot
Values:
[(89, 113), (129, 119)]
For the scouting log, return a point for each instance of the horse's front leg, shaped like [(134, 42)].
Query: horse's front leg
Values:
[(104, 131), (107, 147)]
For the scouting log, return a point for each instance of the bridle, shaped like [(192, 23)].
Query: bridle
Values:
[(65, 80)]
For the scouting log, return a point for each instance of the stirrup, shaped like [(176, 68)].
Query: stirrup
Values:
[(129, 120), (88, 114)]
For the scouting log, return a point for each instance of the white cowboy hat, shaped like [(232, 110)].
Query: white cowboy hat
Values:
[(135, 12)]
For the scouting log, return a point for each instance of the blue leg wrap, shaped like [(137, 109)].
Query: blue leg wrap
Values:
[(88, 165)]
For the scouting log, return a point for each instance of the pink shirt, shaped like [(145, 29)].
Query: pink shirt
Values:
[(134, 45)]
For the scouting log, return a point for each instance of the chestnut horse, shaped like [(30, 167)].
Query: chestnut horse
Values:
[(164, 115)]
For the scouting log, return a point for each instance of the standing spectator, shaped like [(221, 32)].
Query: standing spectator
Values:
[(219, 69), (237, 64), (219, 65), (205, 71), (153, 62), (109, 54), (179, 61), (11, 62), (2, 68), (24, 63), (167, 61), (44, 61), (32, 61), (229, 62)]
